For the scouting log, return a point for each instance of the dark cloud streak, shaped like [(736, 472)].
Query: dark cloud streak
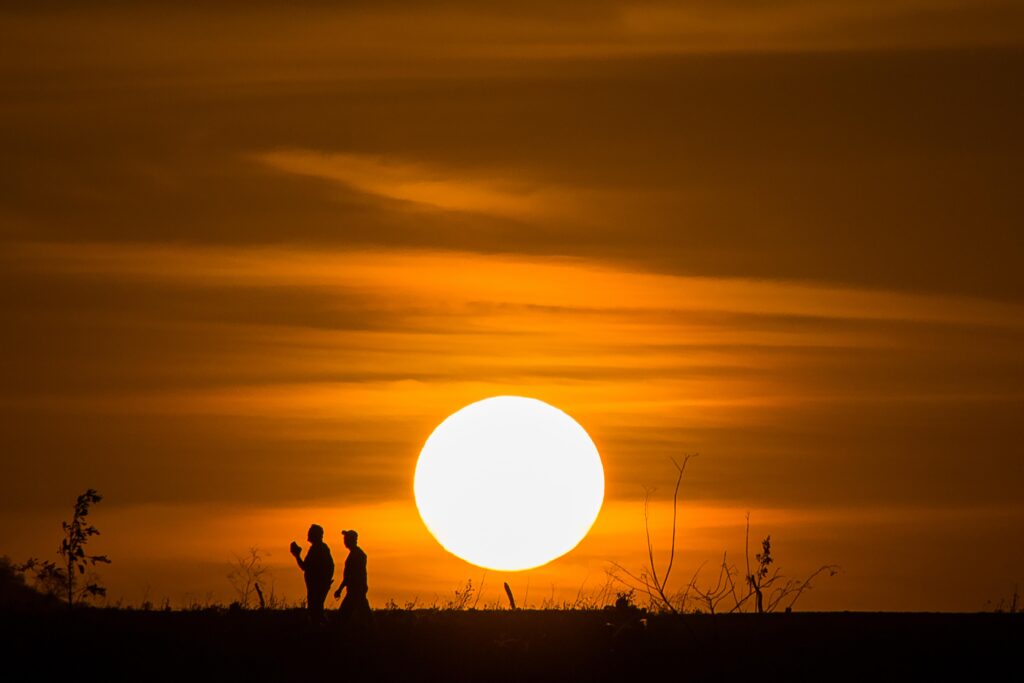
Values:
[(890, 171)]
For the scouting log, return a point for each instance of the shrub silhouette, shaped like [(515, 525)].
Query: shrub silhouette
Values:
[(767, 586), (68, 579), (15, 593), (245, 575)]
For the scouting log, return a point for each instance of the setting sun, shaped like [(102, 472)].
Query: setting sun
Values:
[(509, 483), (386, 332)]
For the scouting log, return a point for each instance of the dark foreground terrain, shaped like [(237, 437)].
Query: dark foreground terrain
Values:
[(504, 645)]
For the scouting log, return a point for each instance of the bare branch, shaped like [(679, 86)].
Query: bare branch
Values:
[(832, 570), (675, 514)]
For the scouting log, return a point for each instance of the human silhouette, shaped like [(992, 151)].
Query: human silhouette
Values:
[(354, 608), (318, 569)]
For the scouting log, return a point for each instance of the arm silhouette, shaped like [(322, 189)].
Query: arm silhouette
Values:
[(297, 552)]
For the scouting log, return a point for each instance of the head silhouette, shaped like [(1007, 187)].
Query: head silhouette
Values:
[(351, 538), (316, 533)]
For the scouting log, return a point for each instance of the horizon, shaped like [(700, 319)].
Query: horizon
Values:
[(252, 257)]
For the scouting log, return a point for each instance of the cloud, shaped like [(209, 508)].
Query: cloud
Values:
[(812, 167), (411, 182), (220, 42), (822, 25), (229, 374), (469, 277)]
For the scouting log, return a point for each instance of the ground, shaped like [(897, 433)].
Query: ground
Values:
[(426, 645)]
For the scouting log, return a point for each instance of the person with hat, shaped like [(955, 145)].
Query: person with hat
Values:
[(354, 607)]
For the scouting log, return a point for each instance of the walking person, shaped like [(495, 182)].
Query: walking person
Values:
[(355, 609), (318, 570)]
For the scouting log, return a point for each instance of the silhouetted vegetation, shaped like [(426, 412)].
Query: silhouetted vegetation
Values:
[(648, 580), (460, 600), (765, 587), (69, 579), (602, 636), (15, 593), (246, 575), (1009, 604)]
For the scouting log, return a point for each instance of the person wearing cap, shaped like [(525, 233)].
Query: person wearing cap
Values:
[(354, 606), (318, 570)]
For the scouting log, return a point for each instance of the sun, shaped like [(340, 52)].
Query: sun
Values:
[(509, 483)]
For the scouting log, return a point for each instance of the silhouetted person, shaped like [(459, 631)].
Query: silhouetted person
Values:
[(318, 568), (354, 608)]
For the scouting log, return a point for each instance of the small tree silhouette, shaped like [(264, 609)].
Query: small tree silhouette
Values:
[(69, 579), (246, 573), (773, 585), (759, 579)]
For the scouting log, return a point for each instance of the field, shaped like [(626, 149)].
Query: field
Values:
[(426, 645)]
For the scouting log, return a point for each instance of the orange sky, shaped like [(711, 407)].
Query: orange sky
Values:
[(249, 259)]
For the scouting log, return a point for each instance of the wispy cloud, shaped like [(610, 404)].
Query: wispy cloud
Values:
[(501, 279), (420, 184), (265, 352)]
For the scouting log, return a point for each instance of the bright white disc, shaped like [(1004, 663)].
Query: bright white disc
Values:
[(509, 483)]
